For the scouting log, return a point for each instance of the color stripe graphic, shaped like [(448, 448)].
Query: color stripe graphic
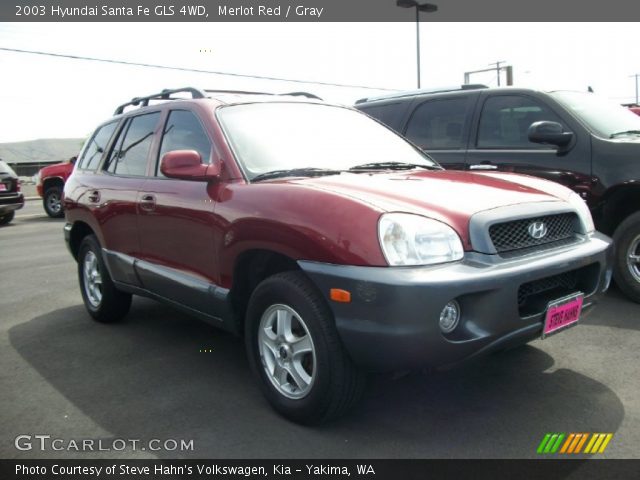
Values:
[(573, 443)]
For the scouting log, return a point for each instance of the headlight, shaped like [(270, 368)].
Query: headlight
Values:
[(36, 178), (583, 211), (408, 239)]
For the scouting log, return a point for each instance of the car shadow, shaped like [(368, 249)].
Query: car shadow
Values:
[(615, 310), (161, 374)]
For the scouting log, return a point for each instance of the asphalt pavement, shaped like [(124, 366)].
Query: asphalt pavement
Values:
[(61, 374)]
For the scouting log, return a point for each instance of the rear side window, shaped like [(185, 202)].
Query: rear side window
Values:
[(390, 114), (131, 152), (439, 124), (96, 146), (505, 121), (183, 131)]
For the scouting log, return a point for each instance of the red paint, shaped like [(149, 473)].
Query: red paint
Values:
[(60, 171), (202, 226)]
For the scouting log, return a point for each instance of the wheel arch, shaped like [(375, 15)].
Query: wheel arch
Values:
[(622, 201), (250, 268), (78, 232), (52, 182)]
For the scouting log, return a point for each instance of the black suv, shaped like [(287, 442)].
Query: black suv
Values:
[(11, 199), (574, 138)]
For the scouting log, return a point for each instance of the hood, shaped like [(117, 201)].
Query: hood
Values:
[(451, 197), (443, 193)]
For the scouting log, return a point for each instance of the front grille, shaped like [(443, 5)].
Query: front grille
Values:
[(514, 235)]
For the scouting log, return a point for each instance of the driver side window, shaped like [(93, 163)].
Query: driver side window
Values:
[(505, 121)]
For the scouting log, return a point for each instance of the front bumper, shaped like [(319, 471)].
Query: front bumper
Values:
[(11, 202), (392, 321)]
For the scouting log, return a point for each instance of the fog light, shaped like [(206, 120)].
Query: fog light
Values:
[(449, 317)]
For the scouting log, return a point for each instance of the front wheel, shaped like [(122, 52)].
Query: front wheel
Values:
[(626, 271), (294, 349), (52, 202), (101, 299)]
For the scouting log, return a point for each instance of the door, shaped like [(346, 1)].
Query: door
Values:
[(176, 223), (440, 127), (113, 194), (500, 142)]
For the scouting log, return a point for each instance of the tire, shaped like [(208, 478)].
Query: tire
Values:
[(101, 299), (52, 202), (7, 217), (627, 242), (328, 383)]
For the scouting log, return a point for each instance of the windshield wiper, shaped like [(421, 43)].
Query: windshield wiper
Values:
[(296, 172), (393, 166), (626, 132)]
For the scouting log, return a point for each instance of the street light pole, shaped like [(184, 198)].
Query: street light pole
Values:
[(497, 64), (636, 75), (420, 7)]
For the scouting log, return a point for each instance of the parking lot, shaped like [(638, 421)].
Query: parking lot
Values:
[(63, 375)]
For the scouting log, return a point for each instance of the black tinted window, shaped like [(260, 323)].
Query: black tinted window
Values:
[(129, 157), (184, 131), (506, 119), (389, 114), (438, 124), (96, 146)]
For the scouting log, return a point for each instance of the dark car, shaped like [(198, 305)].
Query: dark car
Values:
[(11, 198), (577, 139), (332, 244)]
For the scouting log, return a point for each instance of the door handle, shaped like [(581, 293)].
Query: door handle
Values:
[(483, 166), (94, 197), (148, 202)]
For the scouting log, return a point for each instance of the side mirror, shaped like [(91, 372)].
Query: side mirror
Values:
[(187, 165), (550, 133)]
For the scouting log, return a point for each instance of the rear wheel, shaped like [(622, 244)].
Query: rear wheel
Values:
[(7, 217), (626, 271), (294, 349), (52, 202), (101, 299)]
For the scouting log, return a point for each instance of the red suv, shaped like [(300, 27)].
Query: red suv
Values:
[(50, 184), (333, 245)]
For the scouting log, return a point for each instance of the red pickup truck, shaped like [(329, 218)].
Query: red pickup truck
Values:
[(50, 184), (330, 242)]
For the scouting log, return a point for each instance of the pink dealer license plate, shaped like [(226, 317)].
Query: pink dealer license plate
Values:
[(562, 313)]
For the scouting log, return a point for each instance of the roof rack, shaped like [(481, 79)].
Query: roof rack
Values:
[(413, 93), (163, 95), (197, 93)]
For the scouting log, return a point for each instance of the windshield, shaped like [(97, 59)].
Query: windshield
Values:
[(604, 117), (279, 136)]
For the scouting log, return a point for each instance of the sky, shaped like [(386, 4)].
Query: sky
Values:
[(47, 97)]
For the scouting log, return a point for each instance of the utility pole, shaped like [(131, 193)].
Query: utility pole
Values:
[(497, 64), (636, 75), (420, 7)]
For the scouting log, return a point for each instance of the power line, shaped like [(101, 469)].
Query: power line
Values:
[(194, 70)]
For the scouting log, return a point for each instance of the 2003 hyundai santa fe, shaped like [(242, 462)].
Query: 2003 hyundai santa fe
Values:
[(335, 246)]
